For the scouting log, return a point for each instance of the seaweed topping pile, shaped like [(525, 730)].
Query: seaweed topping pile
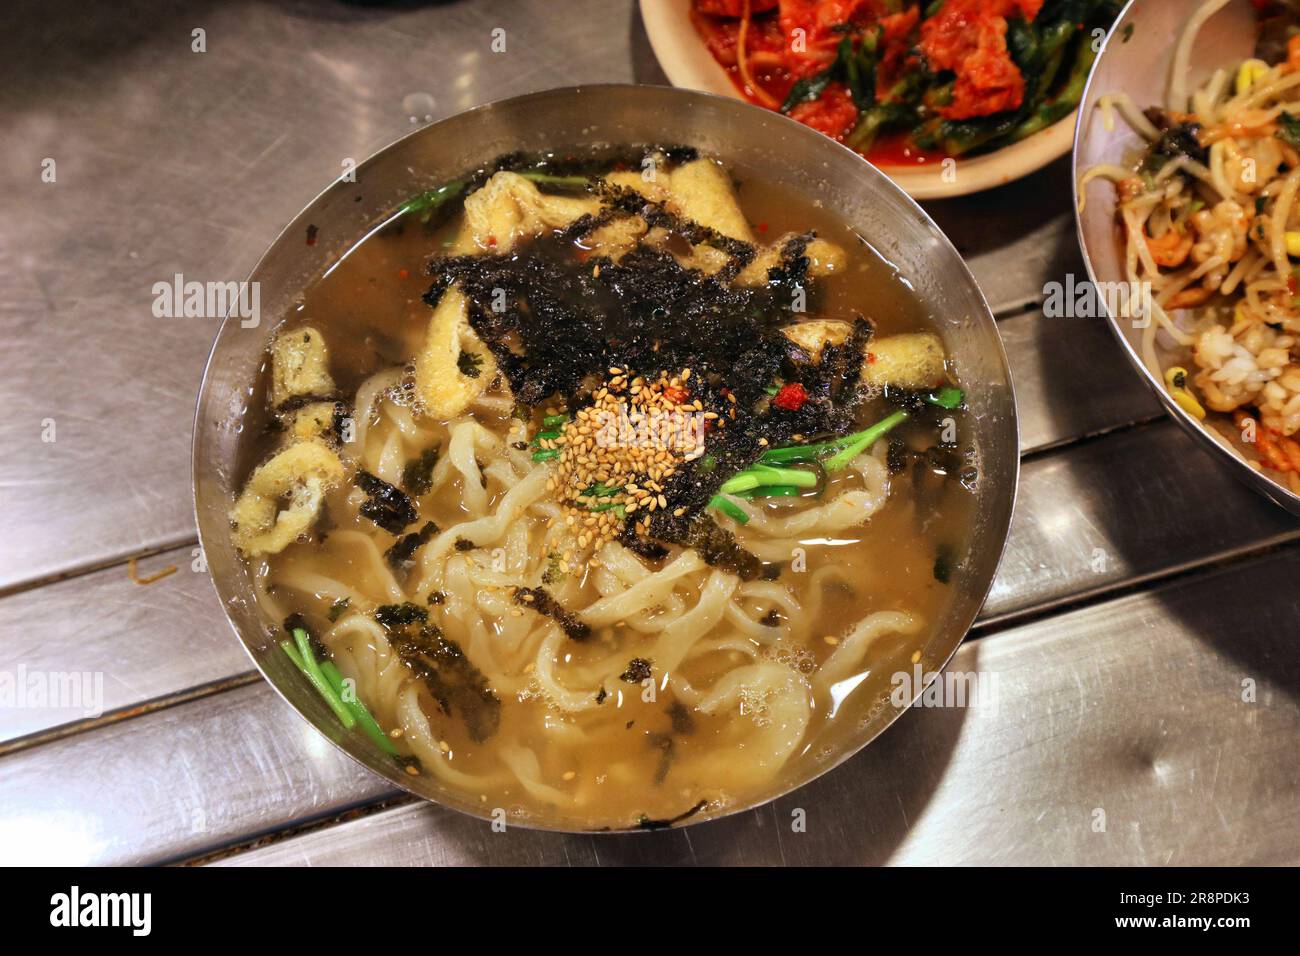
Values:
[(570, 324)]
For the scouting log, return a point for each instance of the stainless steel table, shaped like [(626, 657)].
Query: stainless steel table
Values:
[(1144, 628)]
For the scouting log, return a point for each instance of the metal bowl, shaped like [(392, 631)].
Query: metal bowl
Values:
[(1136, 59), (743, 136)]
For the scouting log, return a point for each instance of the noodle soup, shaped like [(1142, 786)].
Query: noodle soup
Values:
[(607, 489)]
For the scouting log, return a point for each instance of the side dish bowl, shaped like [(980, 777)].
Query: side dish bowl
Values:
[(688, 64), (744, 137), (1136, 60)]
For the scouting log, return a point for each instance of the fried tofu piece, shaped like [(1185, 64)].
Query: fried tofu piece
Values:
[(283, 497), (911, 360), (509, 208), (311, 421), (824, 258), (654, 190), (300, 365), (707, 259), (815, 334), (617, 238), (702, 191), (453, 367)]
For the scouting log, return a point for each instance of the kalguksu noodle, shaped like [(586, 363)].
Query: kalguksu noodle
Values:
[(558, 487)]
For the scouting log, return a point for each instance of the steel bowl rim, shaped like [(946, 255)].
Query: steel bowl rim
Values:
[(1240, 467), (985, 318)]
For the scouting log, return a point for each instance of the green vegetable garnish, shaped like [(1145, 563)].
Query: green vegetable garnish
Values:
[(431, 200), (302, 656), (358, 709), (838, 452), (546, 454), (759, 475), (729, 509), (862, 441), (948, 397), (552, 179), (772, 491)]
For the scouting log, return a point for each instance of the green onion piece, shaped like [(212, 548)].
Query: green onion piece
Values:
[(863, 441), (306, 662), (946, 397), (359, 710), (827, 451), (546, 454), (758, 475), (772, 491), (554, 421), (799, 477), (318, 678), (729, 509), (790, 454), (549, 434), (538, 176), (431, 199)]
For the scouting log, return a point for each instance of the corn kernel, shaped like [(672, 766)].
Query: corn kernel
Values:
[(1175, 379), (1250, 73)]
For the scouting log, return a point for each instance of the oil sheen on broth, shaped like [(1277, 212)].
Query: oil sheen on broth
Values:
[(563, 474)]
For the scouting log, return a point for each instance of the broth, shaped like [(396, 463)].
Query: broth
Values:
[(666, 663)]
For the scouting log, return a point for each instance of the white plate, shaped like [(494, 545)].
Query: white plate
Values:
[(687, 62)]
